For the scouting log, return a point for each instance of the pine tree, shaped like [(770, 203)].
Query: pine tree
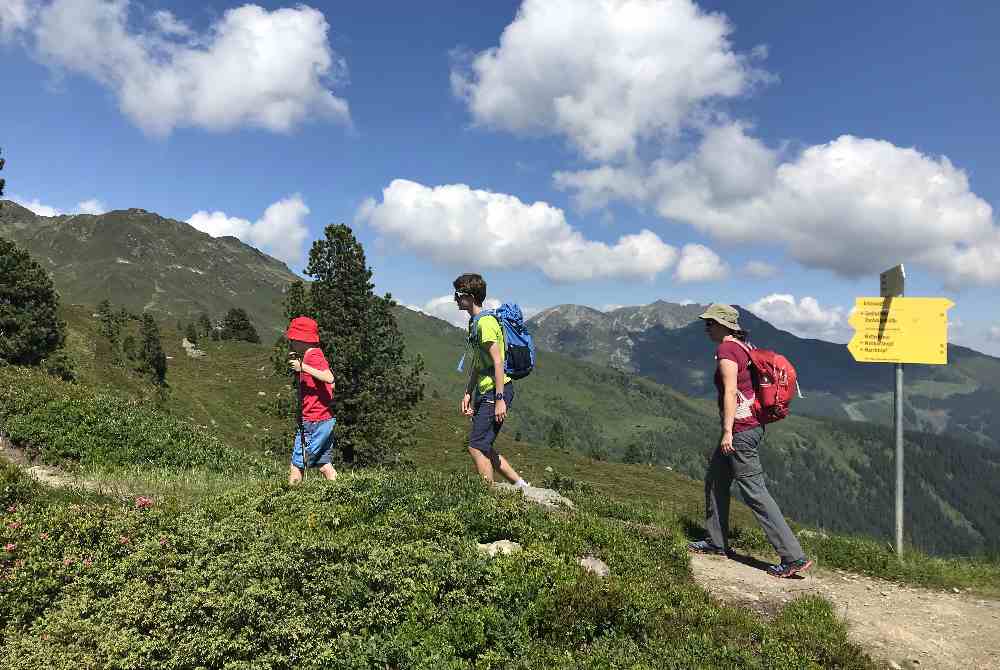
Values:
[(191, 333), (298, 301), (152, 360), (633, 453), (204, 325), (237, 326), (30, 328), (377, 386), (556, 438), (129, 347)]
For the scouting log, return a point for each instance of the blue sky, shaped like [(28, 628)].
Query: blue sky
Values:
[(822, 143)]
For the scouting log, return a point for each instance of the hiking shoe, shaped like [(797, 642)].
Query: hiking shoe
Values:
[(790, 569), (706, 547)]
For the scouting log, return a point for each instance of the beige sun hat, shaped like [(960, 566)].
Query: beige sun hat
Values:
[(723, 314)]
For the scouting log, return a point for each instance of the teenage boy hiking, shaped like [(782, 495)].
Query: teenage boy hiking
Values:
[(315, 387), (736, 457), (490, 392)]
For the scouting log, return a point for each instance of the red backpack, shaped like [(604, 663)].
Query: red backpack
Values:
[(774, 381)]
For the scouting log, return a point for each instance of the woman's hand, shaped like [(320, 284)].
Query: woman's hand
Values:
[(726, 442), (295, 364), (501, 410), (467, 405)]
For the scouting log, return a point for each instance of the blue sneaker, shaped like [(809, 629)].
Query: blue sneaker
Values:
[(706, 547), (790, 569)]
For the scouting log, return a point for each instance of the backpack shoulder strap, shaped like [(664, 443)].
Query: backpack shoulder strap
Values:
[(747, 348), (475, 323)]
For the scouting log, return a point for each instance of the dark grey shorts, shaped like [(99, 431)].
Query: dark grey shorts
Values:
[(484, 424)]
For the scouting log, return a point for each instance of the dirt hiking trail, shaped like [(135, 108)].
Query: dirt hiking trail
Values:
[(53, 476), (907, 627)]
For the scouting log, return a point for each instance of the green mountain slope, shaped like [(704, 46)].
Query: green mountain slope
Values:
[(835, 474), (953, 399), (143, 261)]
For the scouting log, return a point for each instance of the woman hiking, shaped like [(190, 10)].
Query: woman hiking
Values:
[(736, 456), (315, 387)]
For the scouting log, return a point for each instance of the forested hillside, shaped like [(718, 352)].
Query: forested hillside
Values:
[(836, 474)]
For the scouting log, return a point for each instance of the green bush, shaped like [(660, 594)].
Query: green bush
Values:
[(375, 570), (61, 365), (15, 486), (69, 423), (565, 484)]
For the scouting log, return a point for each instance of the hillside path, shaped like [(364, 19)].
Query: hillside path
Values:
[(53, 476), (907, 627)]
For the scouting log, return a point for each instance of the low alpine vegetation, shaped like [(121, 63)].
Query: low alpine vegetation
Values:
[(379, 569), (66, 423)]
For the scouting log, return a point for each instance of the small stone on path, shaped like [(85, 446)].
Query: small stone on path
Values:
[(595, 565), (544, 497), (499, 547)]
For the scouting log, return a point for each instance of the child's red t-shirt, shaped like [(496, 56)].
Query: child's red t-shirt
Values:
[(317, 396)]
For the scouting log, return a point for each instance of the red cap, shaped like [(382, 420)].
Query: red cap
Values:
[(304, 329)]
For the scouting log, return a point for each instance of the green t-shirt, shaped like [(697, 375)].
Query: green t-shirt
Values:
[(479, 357)]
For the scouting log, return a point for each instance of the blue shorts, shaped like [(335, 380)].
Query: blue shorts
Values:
[(484, 423), (319, 443)]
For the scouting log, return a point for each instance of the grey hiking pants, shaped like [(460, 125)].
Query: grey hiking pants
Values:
[(743, 465)]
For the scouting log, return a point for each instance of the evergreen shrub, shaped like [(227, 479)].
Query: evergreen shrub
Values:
[(70, 423)]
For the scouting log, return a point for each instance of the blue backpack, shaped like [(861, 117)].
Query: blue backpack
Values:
[(519, 347)]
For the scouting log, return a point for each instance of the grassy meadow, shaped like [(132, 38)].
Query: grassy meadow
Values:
[(195, 553)]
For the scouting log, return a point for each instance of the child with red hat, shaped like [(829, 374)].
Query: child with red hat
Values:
[(316, 386)]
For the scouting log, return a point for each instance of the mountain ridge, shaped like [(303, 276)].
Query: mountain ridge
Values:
[(144, 261), (955, 398)]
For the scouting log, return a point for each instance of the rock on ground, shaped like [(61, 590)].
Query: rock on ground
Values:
[(544, 497), (192, 349), (909, 626), (595, 565), (503, 547)]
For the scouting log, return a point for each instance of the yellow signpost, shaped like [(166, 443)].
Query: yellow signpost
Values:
[(894, 329), (900, 330)]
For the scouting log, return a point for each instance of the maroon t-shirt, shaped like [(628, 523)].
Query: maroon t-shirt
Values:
[(745, 419)]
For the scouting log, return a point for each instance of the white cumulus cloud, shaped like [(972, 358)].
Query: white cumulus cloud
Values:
[(15, 16), (606, 74), (699, 263), (805, 318), (853, 206), (455, 223), (445, 308), (92, 206), (280, 232), (760, 269), (993, 334), (37, 207), (252, 67)]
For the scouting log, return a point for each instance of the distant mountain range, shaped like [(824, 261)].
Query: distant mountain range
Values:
[(833, 473), (666, 342), (143, 261)]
